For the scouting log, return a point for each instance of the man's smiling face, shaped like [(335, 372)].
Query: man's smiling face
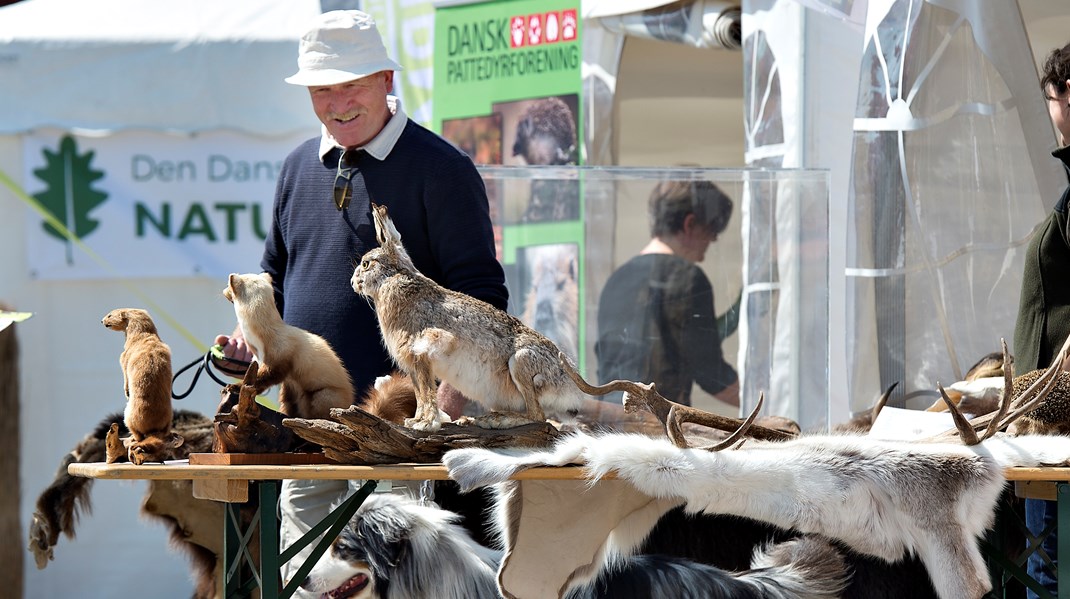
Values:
[(355, 111)]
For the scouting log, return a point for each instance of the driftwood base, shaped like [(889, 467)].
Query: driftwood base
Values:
[(355, 436), (244, 426)]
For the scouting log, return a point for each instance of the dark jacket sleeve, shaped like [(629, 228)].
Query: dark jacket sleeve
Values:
[(702, 342)]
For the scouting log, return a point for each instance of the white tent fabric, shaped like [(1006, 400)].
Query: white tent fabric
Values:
[(127, 64)]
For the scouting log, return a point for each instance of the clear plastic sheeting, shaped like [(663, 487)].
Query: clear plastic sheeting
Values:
[(948, 182), (773, 257)]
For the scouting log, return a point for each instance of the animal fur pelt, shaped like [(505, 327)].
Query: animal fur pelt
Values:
[(194, 523), (395, 547), (886, 499), (805, 567)]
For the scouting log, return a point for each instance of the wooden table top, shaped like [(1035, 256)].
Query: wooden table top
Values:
[(181, 470)]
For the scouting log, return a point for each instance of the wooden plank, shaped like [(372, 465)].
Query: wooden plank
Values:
[(217, 489), (1036, 489), (257, 459)]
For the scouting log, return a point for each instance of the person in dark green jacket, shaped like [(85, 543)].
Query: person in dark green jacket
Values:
[(1044, 308)]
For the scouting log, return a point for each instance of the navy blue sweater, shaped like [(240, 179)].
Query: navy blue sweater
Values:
[(438, 203)]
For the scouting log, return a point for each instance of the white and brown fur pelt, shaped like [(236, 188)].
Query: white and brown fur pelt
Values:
[(146, 367), (193, 523), (886, 499), (433, 332), (397, 548)]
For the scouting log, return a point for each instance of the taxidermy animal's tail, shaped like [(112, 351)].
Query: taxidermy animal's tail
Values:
[(62, 502), (806, 567)]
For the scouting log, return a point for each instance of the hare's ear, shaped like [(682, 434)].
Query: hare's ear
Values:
[(385, 232)]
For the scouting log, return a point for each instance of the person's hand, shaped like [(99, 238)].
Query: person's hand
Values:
[(729, 395), (236, 354), (451, 401)]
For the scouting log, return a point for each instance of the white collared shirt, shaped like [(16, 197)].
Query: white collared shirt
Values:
[(380, 145)]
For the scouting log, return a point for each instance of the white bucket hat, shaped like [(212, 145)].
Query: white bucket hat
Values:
[(341, 45)]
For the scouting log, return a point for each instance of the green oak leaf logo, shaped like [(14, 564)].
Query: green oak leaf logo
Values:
[(70, 196)]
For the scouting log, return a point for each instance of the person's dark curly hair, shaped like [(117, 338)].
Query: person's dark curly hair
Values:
[(1056, 71), (672, 201)]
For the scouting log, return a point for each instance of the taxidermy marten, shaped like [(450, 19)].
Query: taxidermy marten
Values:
[(146, 366), (313, 378)]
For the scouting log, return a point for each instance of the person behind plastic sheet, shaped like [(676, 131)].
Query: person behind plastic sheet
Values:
[(1044, 309), (656, 315), (368, 151)]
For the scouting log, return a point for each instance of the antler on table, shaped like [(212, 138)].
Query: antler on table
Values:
[(639, 396), (1010, 408)]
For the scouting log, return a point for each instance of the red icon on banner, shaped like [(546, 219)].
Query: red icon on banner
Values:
[(569, 25), (552, 28), (516, 31), (534, 30)]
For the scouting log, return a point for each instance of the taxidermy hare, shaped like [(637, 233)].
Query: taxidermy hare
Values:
[(483, 352)]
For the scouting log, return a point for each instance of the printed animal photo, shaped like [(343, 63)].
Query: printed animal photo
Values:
[(542, 132), (479, 136), (550, 290)]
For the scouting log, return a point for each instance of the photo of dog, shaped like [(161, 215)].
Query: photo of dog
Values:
[(551, 306)]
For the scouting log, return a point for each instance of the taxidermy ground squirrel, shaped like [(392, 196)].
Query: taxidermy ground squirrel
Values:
[(313, 378), (146, 366)]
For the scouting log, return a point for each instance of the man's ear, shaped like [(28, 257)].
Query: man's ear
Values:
[(388, 81)]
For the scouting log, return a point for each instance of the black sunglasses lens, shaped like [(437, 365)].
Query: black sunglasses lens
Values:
[(341, 192)]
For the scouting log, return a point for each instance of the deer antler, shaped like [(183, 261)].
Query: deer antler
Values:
[(1010, 408), (639, 395)]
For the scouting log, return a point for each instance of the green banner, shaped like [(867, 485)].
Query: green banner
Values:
[(507, 92)]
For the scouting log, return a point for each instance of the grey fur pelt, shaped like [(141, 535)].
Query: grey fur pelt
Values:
[(887, 499)]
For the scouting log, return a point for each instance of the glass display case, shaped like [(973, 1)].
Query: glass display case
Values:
[(758, 291)]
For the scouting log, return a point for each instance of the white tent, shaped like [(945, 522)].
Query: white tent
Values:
[(120, 64), (110, 66)]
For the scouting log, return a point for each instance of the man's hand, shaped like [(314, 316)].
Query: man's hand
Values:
[(451, 401), (235, 352)]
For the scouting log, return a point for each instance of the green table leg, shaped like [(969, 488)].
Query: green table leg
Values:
[(1063, 542), (267, 576)]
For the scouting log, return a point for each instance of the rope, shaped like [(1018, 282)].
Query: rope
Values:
[(206, 366)]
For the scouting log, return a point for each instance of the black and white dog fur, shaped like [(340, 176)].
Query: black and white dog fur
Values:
[(395, 547), (399, 548), (887, 499)]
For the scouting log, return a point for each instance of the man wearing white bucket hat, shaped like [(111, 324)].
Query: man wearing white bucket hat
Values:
[(368, 151)]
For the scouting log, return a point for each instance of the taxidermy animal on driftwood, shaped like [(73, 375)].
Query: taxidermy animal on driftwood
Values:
[(313, 378), (484, 353), (146, 366)]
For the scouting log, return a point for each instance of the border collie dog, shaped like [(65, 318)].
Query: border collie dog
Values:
[(399, 548), (396, 547)]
